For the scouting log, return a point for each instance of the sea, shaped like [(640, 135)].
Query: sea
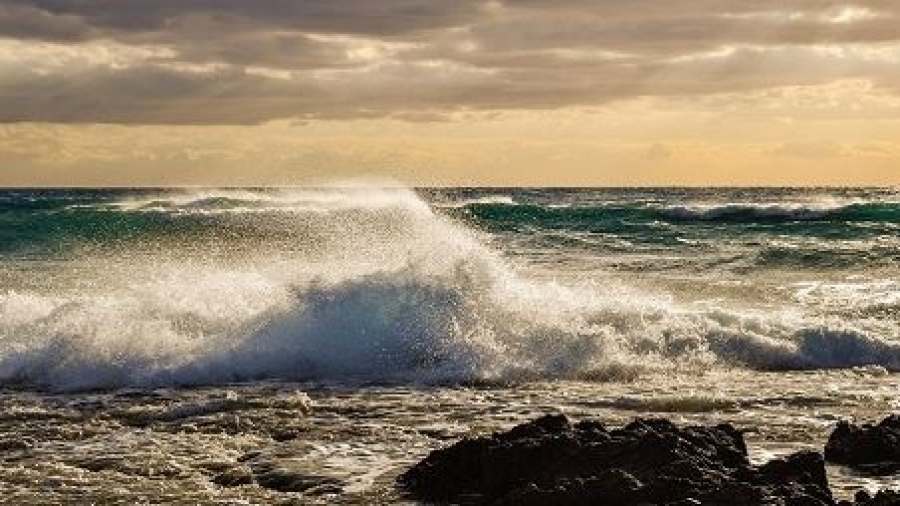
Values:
[(307, 345)]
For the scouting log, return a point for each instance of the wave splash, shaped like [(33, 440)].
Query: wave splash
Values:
[(391, 291)]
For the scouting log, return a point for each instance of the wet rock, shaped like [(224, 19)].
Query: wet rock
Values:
[(250, 455), (882, 498), (653, 462), (801, 467), (102, 463), (872, 448), (616, 487), (234, 477), (284, 434), (287, 480), (16, 445)]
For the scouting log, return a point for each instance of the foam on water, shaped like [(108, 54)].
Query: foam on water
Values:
[(848, 210), (503, 200), (785, 211), (380, 288)]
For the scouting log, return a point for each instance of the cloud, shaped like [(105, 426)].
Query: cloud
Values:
[(237, 62), (385, 17), (813, 150), (659, 151)]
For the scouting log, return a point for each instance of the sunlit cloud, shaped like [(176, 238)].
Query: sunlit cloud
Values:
[(667, 75)]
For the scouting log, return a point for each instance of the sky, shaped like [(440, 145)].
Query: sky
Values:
[(449, 92)]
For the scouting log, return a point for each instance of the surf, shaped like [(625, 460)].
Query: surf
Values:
[(369, 284)]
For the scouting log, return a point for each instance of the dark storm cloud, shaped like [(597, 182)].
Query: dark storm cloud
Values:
[(29, 22), (242, 61), (382, 17)]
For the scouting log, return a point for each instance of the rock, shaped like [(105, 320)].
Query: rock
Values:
[(653, 462), (882, 498), (616, 487), (251, 455), (234, 477), (284, 434), (287, 480), (872, 448), (16, 445), (803, 468)]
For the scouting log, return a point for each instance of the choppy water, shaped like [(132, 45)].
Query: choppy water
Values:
[(151, 339)]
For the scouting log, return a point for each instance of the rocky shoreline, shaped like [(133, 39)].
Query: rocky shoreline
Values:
[(648, 462)]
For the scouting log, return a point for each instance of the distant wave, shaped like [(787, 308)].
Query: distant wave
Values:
[(382, 288), (59, 223), (237, 201), (729, 212), (725, 213), (889, 212)]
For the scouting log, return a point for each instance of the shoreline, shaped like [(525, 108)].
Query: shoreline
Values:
[(353, 441)]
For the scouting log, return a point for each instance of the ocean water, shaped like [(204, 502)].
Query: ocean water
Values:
[(151, 340)]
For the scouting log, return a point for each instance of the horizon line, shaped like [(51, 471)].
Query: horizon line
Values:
[(446, 187)]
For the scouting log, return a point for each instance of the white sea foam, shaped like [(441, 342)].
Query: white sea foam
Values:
[(797, 211), (394, 292), (485, 200), (349, 195)]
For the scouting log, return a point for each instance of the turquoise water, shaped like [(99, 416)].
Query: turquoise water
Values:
[(804, 228)]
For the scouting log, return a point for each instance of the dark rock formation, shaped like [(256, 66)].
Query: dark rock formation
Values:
[(650, 462), (883, 498), (872, 448)]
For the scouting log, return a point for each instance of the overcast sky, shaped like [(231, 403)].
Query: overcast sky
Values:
[(604, 92)]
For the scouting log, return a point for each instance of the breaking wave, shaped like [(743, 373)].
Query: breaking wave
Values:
[(370, 285)]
